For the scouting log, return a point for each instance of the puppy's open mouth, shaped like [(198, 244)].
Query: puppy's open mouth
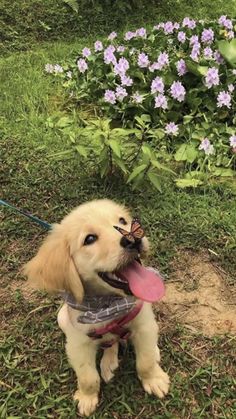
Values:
[(144, 283)]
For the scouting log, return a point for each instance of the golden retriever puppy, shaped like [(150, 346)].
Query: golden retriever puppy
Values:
[(92, 258)]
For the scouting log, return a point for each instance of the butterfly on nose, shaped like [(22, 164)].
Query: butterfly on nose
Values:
[(131, 239)]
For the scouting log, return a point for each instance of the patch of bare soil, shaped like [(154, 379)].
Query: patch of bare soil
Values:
[(198, 296)]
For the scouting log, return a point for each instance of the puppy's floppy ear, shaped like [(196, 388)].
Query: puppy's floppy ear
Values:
[(53, 269)]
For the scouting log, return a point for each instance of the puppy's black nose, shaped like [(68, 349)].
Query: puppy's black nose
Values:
[(124, 242)]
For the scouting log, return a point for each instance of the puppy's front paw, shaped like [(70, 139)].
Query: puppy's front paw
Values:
[(86, 403), (158, 383), (109, 363)]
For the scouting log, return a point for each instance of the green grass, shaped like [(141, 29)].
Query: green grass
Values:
[(24, 23), (36, 379)]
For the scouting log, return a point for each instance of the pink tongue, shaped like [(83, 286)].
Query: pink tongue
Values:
[(144, 283)]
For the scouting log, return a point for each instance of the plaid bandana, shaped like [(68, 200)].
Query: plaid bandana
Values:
[(100, 308)]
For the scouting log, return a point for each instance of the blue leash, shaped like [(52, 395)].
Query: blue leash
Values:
[(42, 223)]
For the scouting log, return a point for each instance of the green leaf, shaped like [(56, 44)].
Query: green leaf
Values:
[(158, 133), (186, 152), (60, 154), (220, 171), (199, 134), (188, 183), (104, 161), (181, 154), (145, 117), (154, 178), (198, 70), (228, 51), (147, 150), (73, 4), (115, 146), (160, 166), (82, 150), (187, 119), (136, 172), (191, 152), (122, 132), (120, 164), (63, 122)]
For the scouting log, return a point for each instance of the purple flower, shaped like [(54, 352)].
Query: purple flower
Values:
[(141, 32), (177, 91), (218, 58), (172, 128), (58, 69), (222, 20), (181, 37), (109, 56), (207, 36), (112, 36), (227, 23), (110, 96), (137, 98), (195, 51), (232, 141), (189, 23), (82, 65), (49, 68), (159, 26), (176, 25), (230, 88), (193, 40), (98, 46), (163, 60), (224, 99), (129, 35), (168, 27), (161, 102), (206, 146), (181, 67), (126, 80), (143, 60), (154, 66), (121, 66), (86, 52), (212, 77), (120, 48), (230, 35), (207, 52), (157, 85), (121, 93)]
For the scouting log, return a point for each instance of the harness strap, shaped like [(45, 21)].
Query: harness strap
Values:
[(117, 326)]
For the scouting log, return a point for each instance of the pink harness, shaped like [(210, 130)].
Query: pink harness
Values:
[(116, 327)]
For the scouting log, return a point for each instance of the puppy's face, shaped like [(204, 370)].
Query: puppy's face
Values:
[(86, 251)]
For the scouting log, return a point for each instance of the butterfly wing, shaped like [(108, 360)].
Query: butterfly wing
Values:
[(136, 229), (128, 235)]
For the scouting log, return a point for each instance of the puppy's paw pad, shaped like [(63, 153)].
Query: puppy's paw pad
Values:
[(157, 385), (86, 403), (109, 363)]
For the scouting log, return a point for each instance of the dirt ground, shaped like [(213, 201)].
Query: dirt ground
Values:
[(197, 296)]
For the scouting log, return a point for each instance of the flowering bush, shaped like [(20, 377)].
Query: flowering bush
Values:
[(167, 97)]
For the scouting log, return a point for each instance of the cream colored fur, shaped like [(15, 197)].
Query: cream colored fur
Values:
[(64, 263)]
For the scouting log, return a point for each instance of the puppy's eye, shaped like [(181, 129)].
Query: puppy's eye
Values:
[(90, 239), (122, 221)]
